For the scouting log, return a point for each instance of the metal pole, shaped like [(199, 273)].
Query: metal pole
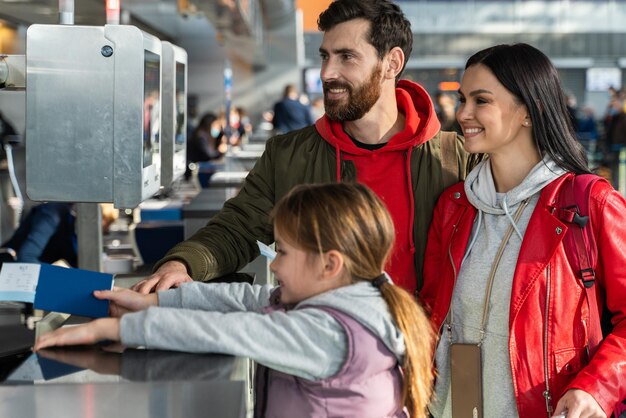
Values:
[(89, 235), (113, 12), (66, 12), (88, 215)]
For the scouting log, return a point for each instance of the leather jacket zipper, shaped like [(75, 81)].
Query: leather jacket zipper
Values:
[(448, 324), (546, 393)]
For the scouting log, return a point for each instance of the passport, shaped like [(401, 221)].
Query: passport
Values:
[(56, 289)]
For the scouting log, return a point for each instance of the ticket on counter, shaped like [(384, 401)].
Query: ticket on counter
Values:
[(266, 250)]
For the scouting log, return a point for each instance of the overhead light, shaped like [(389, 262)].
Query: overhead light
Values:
[(186, 8), (449, 86), (113, 12)]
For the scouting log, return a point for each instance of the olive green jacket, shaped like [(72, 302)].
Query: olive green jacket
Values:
[(228, 241)]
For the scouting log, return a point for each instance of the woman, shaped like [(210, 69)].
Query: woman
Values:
[(497, 275), (207, 141)]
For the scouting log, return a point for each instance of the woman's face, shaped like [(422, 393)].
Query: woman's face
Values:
[(493, 121)]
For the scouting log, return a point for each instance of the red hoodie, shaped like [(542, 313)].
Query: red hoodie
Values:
[(387, 171)]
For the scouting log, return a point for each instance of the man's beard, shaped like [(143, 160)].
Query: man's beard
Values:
[(360, 99)]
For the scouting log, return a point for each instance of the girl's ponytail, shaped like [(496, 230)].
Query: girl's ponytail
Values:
[(419, 339)]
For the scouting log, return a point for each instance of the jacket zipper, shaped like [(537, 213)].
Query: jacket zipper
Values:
[(546, 393), (448, 324)]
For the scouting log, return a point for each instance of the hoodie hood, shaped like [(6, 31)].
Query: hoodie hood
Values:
[(421, 123), (363, 302), (481, 190)]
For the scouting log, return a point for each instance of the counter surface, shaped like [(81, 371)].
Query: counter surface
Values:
[(90, 382)]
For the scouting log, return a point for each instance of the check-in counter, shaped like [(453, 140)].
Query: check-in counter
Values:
[(242, 160), (110, 382), (203, 207), (231, 180), (90, 382)]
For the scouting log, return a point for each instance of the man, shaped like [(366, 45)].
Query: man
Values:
[(377, 131), (289, 113)]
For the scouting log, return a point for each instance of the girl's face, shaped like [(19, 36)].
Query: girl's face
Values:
[(493, 121), (298, 272)]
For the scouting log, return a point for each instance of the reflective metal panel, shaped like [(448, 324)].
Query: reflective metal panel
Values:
[(69, 114), (134, 122), (89, 92), (174, 113)]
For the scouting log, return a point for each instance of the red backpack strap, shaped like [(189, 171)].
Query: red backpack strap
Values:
[(574, 210), (580, 244)]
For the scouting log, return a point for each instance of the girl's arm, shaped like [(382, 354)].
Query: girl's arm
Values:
[(98, 330), (307, 343), (218, 297)]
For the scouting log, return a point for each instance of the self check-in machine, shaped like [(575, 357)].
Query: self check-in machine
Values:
[(93, 105), (174, 113)]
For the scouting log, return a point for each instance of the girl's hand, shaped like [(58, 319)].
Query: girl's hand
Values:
[(578, 404), (93, 358), (124, 300), (91, 333)]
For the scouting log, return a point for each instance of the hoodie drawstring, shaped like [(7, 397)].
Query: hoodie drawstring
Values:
[(508, 215), (338, 154), (411, 200)]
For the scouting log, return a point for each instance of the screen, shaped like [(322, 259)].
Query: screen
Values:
[(151, 106), (179, 130)]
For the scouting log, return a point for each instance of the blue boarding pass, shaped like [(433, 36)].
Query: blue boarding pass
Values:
[(266, 251)]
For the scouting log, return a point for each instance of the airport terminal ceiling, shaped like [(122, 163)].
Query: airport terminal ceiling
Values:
[(576, 34)]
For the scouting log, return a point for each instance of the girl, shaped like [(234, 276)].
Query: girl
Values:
[(337, 338), (497, 274)]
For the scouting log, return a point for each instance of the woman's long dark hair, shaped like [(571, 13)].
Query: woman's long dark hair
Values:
[(531, 77)]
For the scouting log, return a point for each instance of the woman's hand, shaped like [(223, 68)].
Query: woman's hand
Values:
[(124, 300), (578, 404), (91, 333)]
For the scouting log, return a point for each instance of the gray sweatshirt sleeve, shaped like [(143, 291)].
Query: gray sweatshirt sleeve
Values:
[(307, 343), (218, 297)]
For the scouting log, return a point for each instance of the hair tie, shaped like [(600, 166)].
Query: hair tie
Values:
[(378, 282)]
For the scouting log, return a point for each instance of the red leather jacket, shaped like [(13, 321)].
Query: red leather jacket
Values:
[(548, 331)]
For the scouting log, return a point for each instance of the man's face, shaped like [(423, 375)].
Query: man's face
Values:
[(351, 71)]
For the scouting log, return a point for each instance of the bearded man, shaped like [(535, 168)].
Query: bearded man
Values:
[(378, 130)]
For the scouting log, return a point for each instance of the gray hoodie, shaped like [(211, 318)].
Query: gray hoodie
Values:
[(229, 319), (495, 214)]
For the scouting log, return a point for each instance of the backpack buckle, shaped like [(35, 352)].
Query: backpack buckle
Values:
[(581, 221), (588, 276), (571, 215)]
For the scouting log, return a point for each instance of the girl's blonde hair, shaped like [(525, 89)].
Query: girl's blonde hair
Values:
[(351, 219)]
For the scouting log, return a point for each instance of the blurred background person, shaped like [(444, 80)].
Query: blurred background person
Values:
[(289, 113), (317, 108), (572, 109), (47, 234), (207, 142), (445, 104)]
